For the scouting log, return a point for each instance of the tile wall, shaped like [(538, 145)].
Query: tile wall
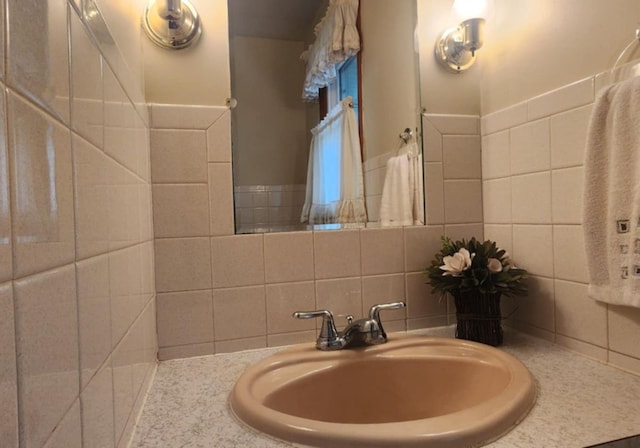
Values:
[(269, 208), (220, 292), (532, 165), (77, 305)]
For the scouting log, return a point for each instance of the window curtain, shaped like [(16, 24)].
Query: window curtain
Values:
[(335, 187), (337, 39)]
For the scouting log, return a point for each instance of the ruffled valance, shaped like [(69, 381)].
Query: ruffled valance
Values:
[(337, 39)]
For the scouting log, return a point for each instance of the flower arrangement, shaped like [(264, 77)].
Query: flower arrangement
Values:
[(464, 266)]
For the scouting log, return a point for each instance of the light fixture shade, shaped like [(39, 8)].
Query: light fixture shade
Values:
[(470, 9)]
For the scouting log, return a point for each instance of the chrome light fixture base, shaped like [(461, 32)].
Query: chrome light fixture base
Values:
[(456, 48), (171, 24)]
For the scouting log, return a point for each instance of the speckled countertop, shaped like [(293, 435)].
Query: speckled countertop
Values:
[(581, 402)]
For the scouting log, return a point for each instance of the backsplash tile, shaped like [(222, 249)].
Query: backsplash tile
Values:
[(568, 97), (327, 245), (239, 313), (38, 56), (245, 267), (6, 262), (530, 150), (8, 374), (178, 156)]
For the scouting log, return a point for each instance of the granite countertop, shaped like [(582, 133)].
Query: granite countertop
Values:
[(581, 402)]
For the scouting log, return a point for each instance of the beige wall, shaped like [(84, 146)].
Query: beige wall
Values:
[(76, 237), (196, 75), (536, 46), (443, 92), (270, 131), (390, 91)]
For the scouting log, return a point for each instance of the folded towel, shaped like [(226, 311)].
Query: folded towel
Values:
[(402, 202), (611, 219)]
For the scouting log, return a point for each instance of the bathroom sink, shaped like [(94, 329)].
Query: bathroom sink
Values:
[(411, 391)]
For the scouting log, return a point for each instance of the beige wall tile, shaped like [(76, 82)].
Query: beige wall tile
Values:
[(283, 300), (68, 432), (288, 257), (496, 201), (496, 155), (566, 195), (238, 260), (221, 199), (185, 318), (579, 317), (185, 351), (172, 116), (182, 264), (123, 398), (42, 73), (624, 323), (337, 254), (420, 245), (42, 190), (628, 363), (462, 158), (97, 409), (381, 289), (459, 231), (426, 322), (236, 345), (538, 307), (178, 156), (568, 97), (297, 337), (125, 290), (219, 139), (8, 378), (239, 313), (47, 346), (502, 234), (94, 315), (342, 297), (533, 249), (462, 201), (6, 257), (455, 124), (434, 193), (180, 210), (569, 136), (119, 123), (530, 150), (504, 119), (86, 85), (531, 198), (123, 205), (589, 350), (420, 301), (570, 259), (91, 195), (432, 141), (382, 251)]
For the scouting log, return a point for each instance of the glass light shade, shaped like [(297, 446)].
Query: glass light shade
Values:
[(470, 9)]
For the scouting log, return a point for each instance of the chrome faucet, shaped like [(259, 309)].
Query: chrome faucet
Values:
[(367, 331)]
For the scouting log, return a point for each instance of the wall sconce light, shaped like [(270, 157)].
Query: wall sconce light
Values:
[(171, 23), (456, 48)]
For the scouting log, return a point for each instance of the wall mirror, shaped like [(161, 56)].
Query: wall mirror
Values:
[(272, 124)]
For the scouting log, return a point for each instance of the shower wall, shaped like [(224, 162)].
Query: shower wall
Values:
[(77, 301)]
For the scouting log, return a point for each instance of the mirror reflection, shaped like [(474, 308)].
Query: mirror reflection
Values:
[(326, 127)]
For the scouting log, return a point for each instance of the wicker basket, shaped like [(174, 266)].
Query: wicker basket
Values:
[(478, 317)]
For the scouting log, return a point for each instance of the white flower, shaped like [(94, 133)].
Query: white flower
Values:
[(494, 265), (456, 263)]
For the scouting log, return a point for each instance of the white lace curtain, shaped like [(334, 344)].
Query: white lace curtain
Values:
[(335, 187), (337, 39)]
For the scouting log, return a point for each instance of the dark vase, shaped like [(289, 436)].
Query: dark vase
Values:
[(478, 317)]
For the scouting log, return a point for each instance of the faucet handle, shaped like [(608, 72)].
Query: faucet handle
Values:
[(374, 312), (328, 334)]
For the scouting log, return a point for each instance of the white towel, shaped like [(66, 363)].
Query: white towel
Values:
[(402, 202), (611, 218)]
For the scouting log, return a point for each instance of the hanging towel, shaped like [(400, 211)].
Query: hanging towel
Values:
[(402, 202), (611, 219)]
